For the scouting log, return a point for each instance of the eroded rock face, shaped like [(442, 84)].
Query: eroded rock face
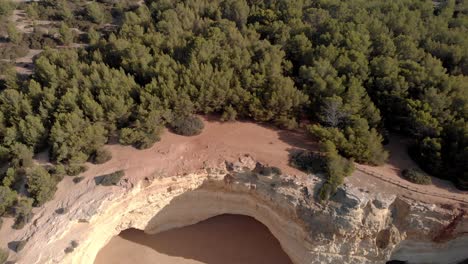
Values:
[(354, 227)]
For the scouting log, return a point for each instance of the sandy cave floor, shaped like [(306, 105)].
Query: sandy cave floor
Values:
[(227, 239)]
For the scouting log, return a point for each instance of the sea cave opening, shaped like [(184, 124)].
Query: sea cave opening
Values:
[(227, 239)]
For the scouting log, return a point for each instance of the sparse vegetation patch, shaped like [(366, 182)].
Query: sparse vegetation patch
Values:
[(3, 255), (187, 125), (101, 156), (307, 161), (110, 179), (416, 176)]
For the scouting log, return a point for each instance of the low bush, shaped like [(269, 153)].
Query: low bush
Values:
[(326, 191), (3, 255), (74, 243), (7, 199), (62, 210), (41, 186), (57, 172), (75, 169), (22, 220), (69, 249), (23, 212), (416, 176), (78, 179), (101, 156), (138, 139), (187, 125), (267, 170), (307, 161), (10, 51), (20, 245), (110, 179)]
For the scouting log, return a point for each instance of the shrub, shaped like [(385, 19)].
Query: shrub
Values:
[(110, 179), (326, 191), (336, 169), (416, 176), (41, 185), (276, 170), (21, 220), (229, 114), (10, 51), (7, 199), (74, 243), (23, 212), (101, 156), (78, 179), (267, 170), (3, 255), (20, 245), (307, 161), (69, 249), (357, 141), (147, 141), (187, 125), (95, 13), (138, 139), (58, 172), (75, 169), (61, 210), (6, 7)]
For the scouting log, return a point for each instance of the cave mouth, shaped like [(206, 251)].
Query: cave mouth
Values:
[(226, 239)]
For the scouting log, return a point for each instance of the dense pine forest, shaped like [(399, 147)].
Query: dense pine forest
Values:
[(354, 70)]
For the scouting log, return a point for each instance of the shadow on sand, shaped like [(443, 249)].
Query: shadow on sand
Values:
[(227, 239), (220, 234)]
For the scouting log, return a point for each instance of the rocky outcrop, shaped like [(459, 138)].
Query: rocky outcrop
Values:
[(355, 226)]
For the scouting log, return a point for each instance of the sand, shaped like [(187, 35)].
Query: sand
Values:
[(227, 239)]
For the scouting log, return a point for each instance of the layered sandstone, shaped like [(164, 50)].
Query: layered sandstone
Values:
[(356, 226)]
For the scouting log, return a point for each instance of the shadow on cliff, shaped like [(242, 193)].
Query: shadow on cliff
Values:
[(220, 236), (224, 238)]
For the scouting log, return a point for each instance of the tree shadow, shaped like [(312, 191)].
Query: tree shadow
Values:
[(298, 139), (98, 179)]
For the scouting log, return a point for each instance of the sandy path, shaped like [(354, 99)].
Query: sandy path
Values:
[(227, 239), (387, 178)]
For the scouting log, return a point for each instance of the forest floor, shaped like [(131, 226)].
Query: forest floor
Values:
[(24, 65)]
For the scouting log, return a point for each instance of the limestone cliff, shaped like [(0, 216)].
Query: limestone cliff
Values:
[(356, 226)]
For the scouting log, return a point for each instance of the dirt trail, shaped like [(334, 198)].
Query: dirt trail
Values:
[(439, 191)]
